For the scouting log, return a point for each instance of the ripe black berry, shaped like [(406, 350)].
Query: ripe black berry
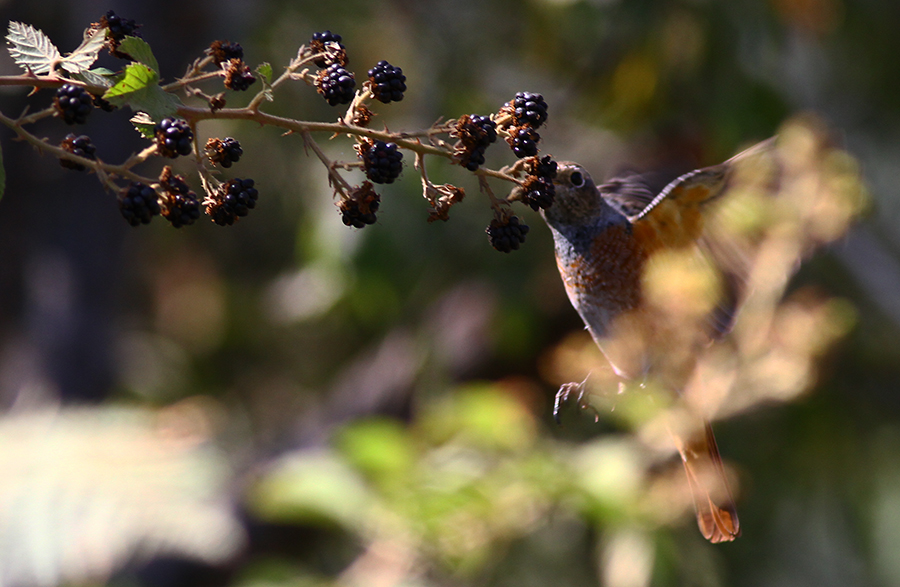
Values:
[(139, 204), (529, 108), (238, 76), (233, 199), (329, 48), (475, 134), (506, 234), (336, 84), (524, 141), (223, 152), (174, 137), (180, 205), (538, 187), (73, 103), (119, 27), (359, 207), (80, 146), (388, 82), (382, 161), (223, 51)]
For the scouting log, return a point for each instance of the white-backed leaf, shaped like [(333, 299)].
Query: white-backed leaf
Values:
[(143, 123), (31, 48), (85, 55), (99, 76), (85, 492), (139, 50)]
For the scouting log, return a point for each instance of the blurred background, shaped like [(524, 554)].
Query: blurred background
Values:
[(289, 402)]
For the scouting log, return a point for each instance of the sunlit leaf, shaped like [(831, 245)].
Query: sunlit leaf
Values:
[(31, 48), (85, 55), (139, 50), (144, 124), (139, 90)]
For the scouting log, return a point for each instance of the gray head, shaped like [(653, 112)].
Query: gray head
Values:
[(577, 199)]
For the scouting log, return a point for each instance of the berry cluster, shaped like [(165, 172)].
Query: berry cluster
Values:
[(336, 84), (538, 187), (119, 28), (238, 76), (382, 161), (475, 134), (524, 114), (139, 204), (73, 103), (173, 137), (223, 152), (388, 82), (506, 234), (523, 140), (233, 199), (530, 109), (180, 204), (222, 51), (359, 207), (81, 146), (327, 45)]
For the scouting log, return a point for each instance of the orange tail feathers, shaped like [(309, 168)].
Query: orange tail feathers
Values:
[(716, 512)]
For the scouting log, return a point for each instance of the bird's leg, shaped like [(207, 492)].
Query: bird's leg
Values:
[(565, 391)]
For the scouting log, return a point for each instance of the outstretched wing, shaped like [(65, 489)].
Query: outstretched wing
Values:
[(687, 215)]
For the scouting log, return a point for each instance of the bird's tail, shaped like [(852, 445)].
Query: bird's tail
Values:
[(716, 512)]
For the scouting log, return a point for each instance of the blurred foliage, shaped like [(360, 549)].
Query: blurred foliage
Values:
[(383, 396)]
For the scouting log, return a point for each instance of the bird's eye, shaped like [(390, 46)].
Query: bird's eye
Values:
[(577, 179)]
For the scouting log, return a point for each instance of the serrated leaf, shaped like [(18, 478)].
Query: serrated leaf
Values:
[(99, 76), (139, 50), (139, 91), (85, 55), (31, 48), (144, 124), (137, 77), (265, 70)]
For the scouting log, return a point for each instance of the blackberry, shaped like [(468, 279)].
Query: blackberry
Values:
[(223, 152), (329, 48), (336, 84), (506, 234), (523, 141), (174, 137), (73, 103), (139, 204), (388, 82), (529, 108), (119, 27), (234, 198), (80, 146), (383, 162), (358, 209), (238, 76), (180, 205), (475, 134), (538, 187), (222, 51)]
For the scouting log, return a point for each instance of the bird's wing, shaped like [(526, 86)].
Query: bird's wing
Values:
[(695, 213)]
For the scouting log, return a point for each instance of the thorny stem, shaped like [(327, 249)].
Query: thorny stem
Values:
[(334, 178)]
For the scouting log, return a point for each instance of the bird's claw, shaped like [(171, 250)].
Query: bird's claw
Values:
[(566, 390)]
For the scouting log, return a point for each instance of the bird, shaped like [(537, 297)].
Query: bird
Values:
[(607, 239)]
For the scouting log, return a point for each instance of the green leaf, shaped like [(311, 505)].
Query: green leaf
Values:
[(31, 48), (99, 76), (86, 54), (144, 124), (265, 70), (139, 91), (139, 50), (137, 77)]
